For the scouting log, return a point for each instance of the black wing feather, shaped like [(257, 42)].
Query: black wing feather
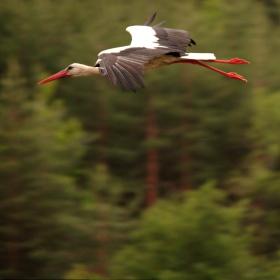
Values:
[(160, 24), (174, 38), (137, 75), (110, 73), (119, 76), (131, 60), (150, 20), (127, 77)]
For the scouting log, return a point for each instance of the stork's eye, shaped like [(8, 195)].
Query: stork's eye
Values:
[(70, 67)]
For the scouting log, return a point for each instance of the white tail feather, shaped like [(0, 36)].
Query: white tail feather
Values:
[(199, 56)]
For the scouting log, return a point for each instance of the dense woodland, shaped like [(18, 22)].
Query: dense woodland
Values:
[(178, 181)]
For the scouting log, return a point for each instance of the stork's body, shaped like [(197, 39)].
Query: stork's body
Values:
[(151, 47)]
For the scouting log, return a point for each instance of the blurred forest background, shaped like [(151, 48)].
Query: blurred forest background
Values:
[(178, 181)]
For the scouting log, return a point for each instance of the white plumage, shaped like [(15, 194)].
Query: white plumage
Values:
[(143, 36), (200, 56)]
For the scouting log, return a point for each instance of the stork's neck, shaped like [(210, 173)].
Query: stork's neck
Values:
[(89, 70), (78, 69)]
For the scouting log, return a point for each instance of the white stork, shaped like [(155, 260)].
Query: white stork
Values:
[(151, 47)]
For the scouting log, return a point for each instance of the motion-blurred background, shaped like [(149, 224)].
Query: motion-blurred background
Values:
[(178, 181)]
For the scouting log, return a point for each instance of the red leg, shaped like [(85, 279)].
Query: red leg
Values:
[(232, 75), (235, 60)]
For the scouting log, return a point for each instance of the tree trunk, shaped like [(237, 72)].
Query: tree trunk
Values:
[(185, 182), (152, 157)]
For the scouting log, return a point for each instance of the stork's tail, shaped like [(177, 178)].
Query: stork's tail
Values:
[(199, 56)]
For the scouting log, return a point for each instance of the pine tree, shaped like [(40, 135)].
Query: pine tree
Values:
[(199, 238), (41, 229)]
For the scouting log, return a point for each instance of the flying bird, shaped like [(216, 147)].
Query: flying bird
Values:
[(151, 47)]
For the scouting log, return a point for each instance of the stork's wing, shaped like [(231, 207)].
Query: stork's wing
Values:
[(126, 66), (151, 37)]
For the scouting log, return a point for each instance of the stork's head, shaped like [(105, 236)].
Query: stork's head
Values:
[(73, 70)]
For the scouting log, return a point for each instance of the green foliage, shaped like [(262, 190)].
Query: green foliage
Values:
[(199, 238), (266, 122), (79, 271), (39, 151)]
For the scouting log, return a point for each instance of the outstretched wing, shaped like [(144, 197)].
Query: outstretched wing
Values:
[(126, 64), (153, 37), (164, 37)]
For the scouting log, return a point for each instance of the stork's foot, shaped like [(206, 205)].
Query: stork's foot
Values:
[(237, 60), (234, 75)]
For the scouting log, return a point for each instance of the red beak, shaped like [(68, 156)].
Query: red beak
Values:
[(58, 75)]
